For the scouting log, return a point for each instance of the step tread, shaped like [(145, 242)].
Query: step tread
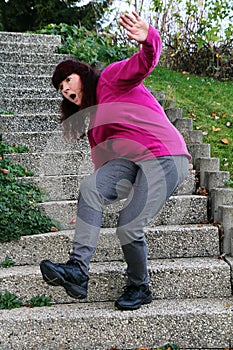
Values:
[(188, 323), (163, 242), (169, 278), (198, 263)]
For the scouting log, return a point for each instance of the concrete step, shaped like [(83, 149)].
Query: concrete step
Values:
[(216, 179), (196, 324), (184, 124), (30, 57), (54, 163), (48, 92), (30, 46), (173, 113), (198, 151), (207, 164), (30, 105), (25, 81), (174, 241), (179, 210), (169, 279), (66, 187), (27, 68), (192, 136), (30, 122), (218, 198), (226, 218), (14, 37)]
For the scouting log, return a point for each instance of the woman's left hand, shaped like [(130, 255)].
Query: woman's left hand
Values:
[(137, 28)]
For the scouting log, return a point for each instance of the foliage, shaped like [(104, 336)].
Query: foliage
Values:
[(197, 35), (19, 213), (5, 112), (207, 102), (9, 301), (39, 300), (89, 46), (31, 15), (8, 262)]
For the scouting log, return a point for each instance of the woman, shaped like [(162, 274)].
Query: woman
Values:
[(138, 156)]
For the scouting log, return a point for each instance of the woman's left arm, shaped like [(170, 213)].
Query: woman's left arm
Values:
[(134, 70)]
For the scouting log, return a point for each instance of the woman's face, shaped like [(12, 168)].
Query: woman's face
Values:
[(71, 88)]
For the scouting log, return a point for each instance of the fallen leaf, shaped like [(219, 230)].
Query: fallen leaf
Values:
[(228, 305), (215, 129), (225, 141), (5, 171), (53, 229), (224, 115), (213, 114)]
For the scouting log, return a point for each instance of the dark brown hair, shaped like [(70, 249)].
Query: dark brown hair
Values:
[(89, 78)]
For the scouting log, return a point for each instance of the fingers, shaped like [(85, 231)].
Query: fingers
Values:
[(129, 20), (72, 221)]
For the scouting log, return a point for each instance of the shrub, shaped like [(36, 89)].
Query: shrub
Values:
[(197, 35), (39, 300), (9, 301), (89, 46), (19, 213), (8, 262)]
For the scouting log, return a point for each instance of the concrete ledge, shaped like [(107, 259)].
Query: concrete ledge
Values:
[(216, 179), (189, 323), (26, 81), (48, 93), (30, 105), (219, 197), (66, 187), (206, 164), (30, 122), (179, 210), (163, 242), (225, 213), (51, 164), (28, 46), (192, 136), (184, 124), (30, 57), (169, 279), (199, 151), (27, 68), (15, 37), (173, 113)]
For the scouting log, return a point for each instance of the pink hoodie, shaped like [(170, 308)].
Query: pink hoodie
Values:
[(129, 122)]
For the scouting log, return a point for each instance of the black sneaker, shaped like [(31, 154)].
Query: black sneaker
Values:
[(134, 297), (67, 275)]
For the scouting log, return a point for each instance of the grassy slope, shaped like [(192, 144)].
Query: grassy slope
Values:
[(208, 102)]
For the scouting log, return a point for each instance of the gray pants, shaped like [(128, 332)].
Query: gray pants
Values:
[(146, 186)]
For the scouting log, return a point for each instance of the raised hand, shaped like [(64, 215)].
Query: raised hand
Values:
[(137, 28)]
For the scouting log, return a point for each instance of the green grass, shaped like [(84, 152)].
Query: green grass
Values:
[(208, 102)]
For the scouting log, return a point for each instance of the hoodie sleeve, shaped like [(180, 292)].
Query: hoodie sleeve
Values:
[(132, 71)]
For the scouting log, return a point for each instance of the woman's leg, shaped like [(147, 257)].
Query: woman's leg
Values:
[(155, 182), (112, 182)]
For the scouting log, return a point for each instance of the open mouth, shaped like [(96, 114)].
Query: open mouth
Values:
[(73, 96)]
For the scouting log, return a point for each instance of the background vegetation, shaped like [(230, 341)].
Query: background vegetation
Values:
[(19, 213), (196, 71)]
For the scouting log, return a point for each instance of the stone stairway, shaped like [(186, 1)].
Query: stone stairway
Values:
[(192, 290)]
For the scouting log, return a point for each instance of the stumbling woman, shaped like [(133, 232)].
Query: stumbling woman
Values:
[(139, 156)]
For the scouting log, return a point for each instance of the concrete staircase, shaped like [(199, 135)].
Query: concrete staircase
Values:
[(192, 288)]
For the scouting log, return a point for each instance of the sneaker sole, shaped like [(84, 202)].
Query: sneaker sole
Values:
[(55, 279), (147, 300)]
